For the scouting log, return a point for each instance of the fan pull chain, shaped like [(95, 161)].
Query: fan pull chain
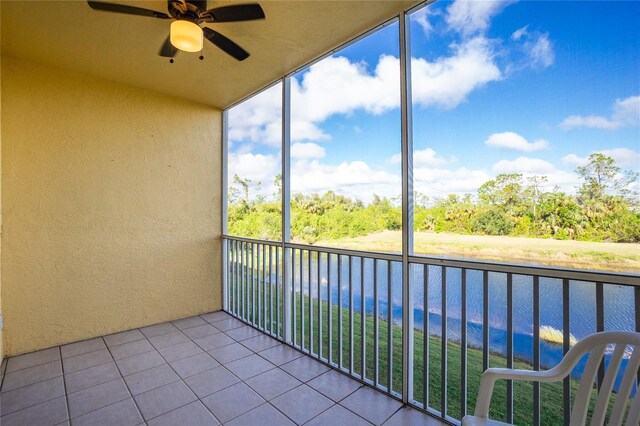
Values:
[(201, 57)]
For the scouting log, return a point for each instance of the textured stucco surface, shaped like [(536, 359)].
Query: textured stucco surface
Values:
[(71, 35), (111, 199)]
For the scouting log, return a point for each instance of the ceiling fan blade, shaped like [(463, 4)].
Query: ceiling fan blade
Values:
[(225, 44), (129, 10), (168, 50), (235, 13)]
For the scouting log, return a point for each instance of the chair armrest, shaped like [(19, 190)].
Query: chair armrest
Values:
[(491, 375)]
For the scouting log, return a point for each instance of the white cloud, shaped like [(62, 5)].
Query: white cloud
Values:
[(354, 179), (527, 167), (258, 119), (472, 16), (589, 121), (536, 46), (519, 33), (624, 157), (306, 150), (513, 140), (574, 160), (260, 169), (421, 158), (448, 81), (626, 113), (336, 85), (540, 51), (422, 19), (523, 165), (438, 183)]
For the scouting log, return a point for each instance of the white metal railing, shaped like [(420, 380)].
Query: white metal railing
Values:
[(346, 308)]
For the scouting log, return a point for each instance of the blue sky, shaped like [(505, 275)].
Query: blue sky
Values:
[(530, 87)]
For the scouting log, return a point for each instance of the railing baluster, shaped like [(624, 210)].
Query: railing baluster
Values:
[(600, 324), (270, 290), (636, 310), (463, 343), (232, 298), (247, 292), (264, 286), (250, 301), (294, 322), (363, 326), (278, 291), (310, 302), (329, 316), (340, 311), (376, 339), (244, 280), (350, 315), (566, 330), (425, 343), (260, 307), (238, 284), (319, 306), (256, 280), (509, 346), (536, 348), (443, 356), (301, 300), (239, 277), (389, 328), (485, 320)]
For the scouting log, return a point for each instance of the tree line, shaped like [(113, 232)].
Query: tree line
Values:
[(604, 208)]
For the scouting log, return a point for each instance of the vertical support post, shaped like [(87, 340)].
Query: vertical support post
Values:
[(536, 348), (485, 320), (463, 343), (600, 324), (224, 189), (407, 208), (636, 306), (566, 330), (509, 345), (286, 219)]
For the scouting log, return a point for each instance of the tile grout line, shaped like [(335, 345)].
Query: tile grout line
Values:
[(184, 383), (64, 383), (41, 402), (125, 383), (3, 366), (29, 384)]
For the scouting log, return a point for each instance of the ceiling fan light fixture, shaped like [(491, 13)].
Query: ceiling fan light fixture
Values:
[(186, 36)]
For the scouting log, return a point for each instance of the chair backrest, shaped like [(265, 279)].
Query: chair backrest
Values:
[(624, 343)]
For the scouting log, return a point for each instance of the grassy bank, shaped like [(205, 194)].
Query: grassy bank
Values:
[(622, 257), (551, 394)]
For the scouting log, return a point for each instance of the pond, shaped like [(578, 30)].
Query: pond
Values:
[(619, 313)]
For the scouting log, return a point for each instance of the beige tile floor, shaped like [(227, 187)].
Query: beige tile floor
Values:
[(204, 370)]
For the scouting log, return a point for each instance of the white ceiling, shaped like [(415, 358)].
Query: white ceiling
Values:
[(123, 48)]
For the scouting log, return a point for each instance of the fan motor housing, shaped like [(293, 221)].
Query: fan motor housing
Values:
[(189, 10)]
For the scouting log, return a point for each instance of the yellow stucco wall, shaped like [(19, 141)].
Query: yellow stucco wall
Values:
[(111, 207)]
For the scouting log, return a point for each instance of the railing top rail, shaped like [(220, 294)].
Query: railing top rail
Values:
[(543, 271), (253, 240), (539, 270)]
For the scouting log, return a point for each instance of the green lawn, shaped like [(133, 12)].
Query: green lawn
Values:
[(551, 394)]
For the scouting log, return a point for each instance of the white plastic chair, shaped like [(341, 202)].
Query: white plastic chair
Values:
[(596, 345)]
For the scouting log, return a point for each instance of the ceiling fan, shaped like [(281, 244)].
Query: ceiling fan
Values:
[(186, 33)]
